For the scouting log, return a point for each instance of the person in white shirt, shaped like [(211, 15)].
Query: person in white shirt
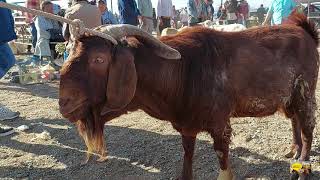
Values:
[(164, 14), (184, 17), (46, 30)]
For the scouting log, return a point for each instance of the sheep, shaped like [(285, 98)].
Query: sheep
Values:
[(226, 28), (197, 80)]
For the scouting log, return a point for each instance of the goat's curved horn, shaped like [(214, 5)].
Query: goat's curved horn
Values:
[(122, 30)]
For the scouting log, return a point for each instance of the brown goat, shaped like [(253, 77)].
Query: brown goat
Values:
[(220, 75)]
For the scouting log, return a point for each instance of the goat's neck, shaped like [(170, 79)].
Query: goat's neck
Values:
[(159, 86)]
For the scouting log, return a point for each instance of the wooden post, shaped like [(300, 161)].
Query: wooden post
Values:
[(308, 9), (111, 7)]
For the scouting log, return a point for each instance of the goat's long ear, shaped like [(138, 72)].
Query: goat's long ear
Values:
[(122, 81)]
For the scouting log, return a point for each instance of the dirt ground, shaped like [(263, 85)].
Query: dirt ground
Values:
[(139, 146)]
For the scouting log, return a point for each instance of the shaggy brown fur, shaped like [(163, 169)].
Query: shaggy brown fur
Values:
[(253, 73)]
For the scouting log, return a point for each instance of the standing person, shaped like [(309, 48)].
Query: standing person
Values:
[(261, 11), (231, 8), (7, 60), (128, 12), (106, 16), (223, 17), (32, 4), (146, 15), (244, 11), (196, 11), (209, 10), (184, 17), (279, 11), (174, 16), (164, 13), (87, 13), (219, 12)]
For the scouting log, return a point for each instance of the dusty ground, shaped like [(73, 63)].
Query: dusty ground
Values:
[(140, 147)]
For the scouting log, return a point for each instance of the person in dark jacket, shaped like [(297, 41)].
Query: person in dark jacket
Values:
[(7, 60), (7, 34), (129, 12)]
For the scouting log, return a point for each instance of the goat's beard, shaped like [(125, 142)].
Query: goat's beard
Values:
[(91, 130)]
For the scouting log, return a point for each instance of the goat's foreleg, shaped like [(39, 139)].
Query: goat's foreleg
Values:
[(188, 143), (221, 137)]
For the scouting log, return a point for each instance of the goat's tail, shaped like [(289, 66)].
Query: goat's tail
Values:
[(303, 22)]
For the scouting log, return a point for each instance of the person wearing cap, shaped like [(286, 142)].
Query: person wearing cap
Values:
[(146, 15), (106, 16), (87, 13), (47, 30), (128, 11)]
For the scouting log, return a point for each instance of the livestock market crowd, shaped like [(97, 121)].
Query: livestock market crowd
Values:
[(47, 36)]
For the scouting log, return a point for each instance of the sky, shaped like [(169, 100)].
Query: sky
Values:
[(179, 3)]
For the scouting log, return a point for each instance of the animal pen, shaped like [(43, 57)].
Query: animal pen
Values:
[(315, 16)]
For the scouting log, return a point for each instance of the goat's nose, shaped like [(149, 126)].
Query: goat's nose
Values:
[(63, 101)]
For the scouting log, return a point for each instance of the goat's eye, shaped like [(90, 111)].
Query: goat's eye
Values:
[(99, 60)]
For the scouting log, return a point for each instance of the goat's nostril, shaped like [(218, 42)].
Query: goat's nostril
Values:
[(63, 102)]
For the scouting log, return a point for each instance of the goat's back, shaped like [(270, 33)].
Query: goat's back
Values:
[(248, 73)]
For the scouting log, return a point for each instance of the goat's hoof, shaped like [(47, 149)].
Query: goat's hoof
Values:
[(290, 154), (295, 152), (184, 178), (102, 159), (304, 176), (294, 176), (297, 176), (226, 175), (84, 162)]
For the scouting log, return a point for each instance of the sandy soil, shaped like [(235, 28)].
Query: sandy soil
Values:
[(139, 146)]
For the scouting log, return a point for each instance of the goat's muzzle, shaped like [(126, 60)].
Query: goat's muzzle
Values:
[(71, 109)]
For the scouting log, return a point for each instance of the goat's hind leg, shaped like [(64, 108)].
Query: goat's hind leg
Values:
[(296, 147), (306, 118), (304, 105)]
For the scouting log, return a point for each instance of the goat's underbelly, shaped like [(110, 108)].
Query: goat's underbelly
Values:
[(256, 107)]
